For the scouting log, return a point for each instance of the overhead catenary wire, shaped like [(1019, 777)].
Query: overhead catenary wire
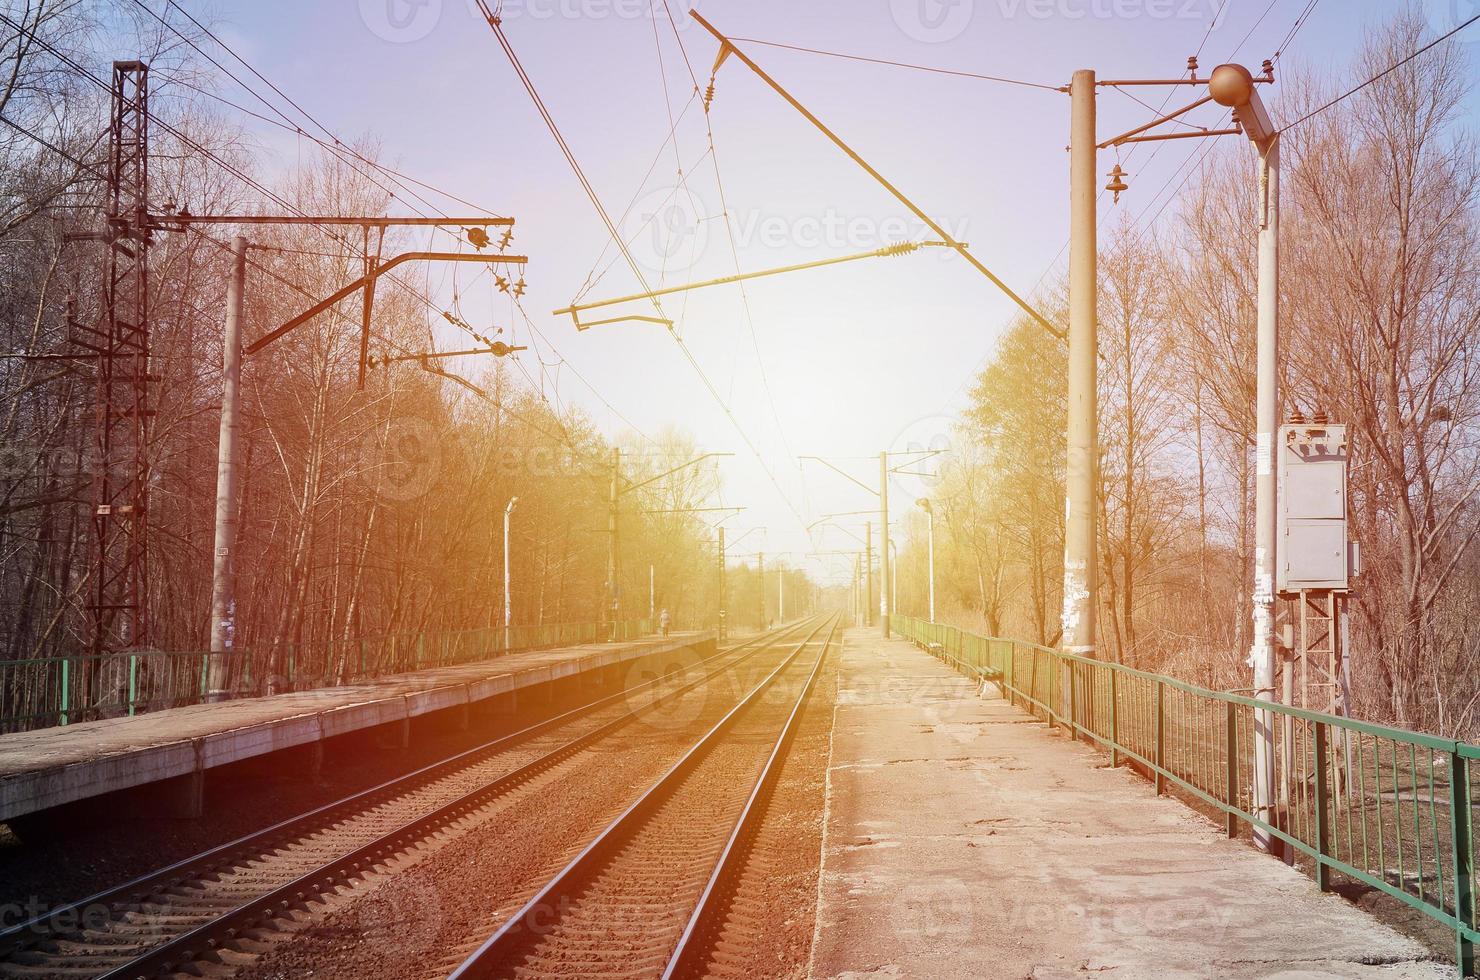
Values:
[(339, 146), (713, 155), (900, 64), (495, 23), (1380, 75)]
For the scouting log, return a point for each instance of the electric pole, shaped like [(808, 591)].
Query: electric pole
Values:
[(924, 502), (508, 590), (1081, 566), (223, 569), (886, 575), (868, 564), (721, 584), (613, 590), (760, 589), (613, 605)]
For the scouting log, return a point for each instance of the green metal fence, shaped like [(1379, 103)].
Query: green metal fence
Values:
[(66, 690), (1389, 808)]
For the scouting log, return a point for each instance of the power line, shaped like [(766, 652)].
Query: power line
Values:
[(90, 168), (901, 64), (1381, 75), (561, 359), (339, 145), (495, 23), (735, 256)]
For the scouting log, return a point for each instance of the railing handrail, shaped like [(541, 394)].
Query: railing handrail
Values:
[(71, 687), (1423, 739)]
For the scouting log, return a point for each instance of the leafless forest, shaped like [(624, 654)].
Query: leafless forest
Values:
[(365, 513)]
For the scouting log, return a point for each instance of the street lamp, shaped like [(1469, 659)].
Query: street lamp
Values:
[(924, 502), (1233, 86), (508, 593)]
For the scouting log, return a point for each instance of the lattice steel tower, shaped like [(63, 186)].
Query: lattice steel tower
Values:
[(119, 590)]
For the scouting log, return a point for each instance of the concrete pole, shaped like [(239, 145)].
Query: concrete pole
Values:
[(780, 595), (613, 598), (1264, 653), (721, 583), (893, 579), (760, 588), (868, 574), (930, 524), (857, 574), (1080, 564), (223, 567), (508, 591), (885, 602), (652, 592)]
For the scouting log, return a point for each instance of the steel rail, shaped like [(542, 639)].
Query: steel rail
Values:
[(71, 919), (693, 948), (492, 955)]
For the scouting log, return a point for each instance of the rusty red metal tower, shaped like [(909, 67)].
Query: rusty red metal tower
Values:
[(118, 591)]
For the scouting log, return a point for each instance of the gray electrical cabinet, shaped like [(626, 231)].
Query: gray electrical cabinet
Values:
[(1313, 549)]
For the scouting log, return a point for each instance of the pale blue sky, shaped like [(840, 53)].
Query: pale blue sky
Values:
[(860, 357)]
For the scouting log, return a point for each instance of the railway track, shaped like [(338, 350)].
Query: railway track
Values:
[(194, 913), (655, 892)]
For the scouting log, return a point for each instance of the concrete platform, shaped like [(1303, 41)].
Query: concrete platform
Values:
[(965, 840), (43, 769)]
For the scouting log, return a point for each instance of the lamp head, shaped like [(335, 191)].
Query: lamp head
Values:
[(1233, 86)]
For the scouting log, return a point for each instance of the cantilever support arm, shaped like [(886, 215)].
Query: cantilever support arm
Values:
[(842, 472), (575, 310), (367, 281), (727, 47), (682, 466)]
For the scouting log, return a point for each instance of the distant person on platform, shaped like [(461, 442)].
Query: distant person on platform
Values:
[(663, 622)]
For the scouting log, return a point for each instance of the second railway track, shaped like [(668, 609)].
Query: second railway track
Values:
[(194, 915)]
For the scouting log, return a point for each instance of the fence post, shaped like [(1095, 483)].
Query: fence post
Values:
[(1459, 839), (1114, 718), (1007, 679), (1161, 737), (1323, 801), (66, 690), (133, 682), (1053, 686), (1231, 798), (1073, 702), (1033, 681)]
